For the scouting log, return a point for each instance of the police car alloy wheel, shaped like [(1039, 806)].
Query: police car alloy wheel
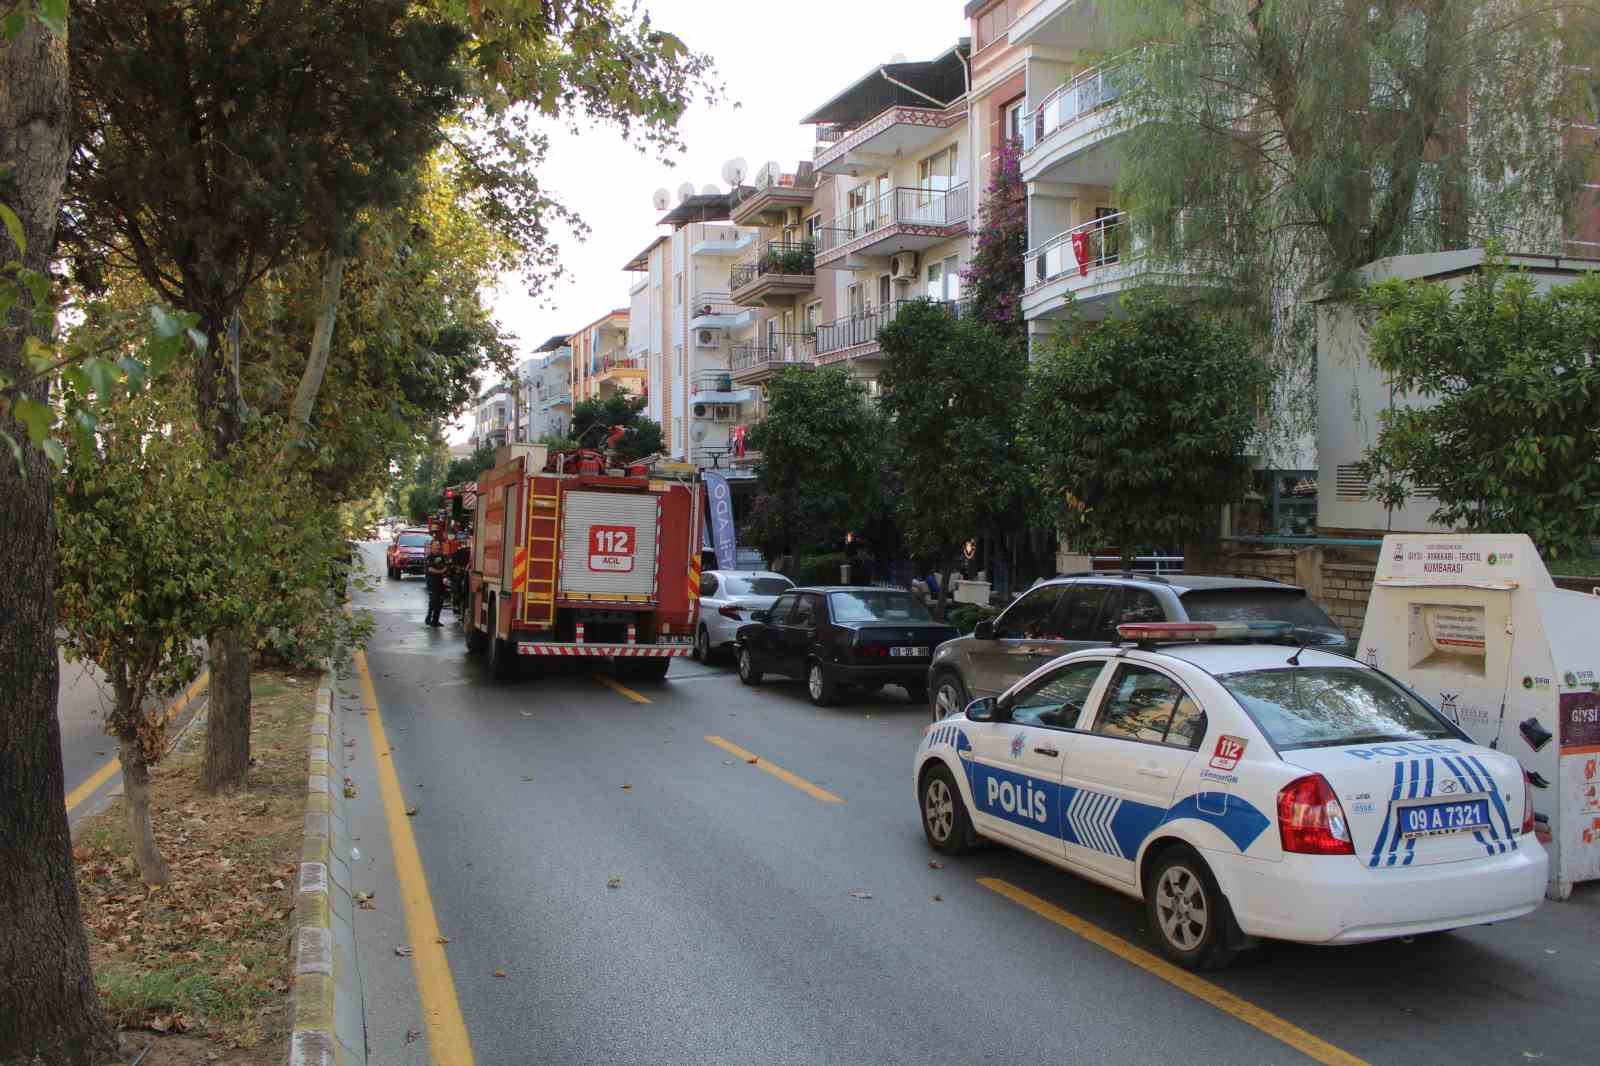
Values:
[(1187, 913), (944, 816), (747, 668)]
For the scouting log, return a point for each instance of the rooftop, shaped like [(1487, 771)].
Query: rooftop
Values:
[(937, 82)]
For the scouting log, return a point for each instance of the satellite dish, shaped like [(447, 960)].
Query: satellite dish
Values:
[(662, 199), (685, 191), (709, 190), (734, 171)]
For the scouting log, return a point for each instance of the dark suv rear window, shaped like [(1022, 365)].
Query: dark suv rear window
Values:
[(1247, 604)]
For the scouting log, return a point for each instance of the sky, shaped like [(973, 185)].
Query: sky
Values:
[(779, 59)]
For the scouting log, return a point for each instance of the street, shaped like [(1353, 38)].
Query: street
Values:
[(617, 883)]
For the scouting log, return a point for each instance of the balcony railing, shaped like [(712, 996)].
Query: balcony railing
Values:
[(1097, 243), (770, 177), (782, 348), (833, 134), (713, 303), (898, 207), (1088, 91), (612, 362), (792, 258), (863, 327)]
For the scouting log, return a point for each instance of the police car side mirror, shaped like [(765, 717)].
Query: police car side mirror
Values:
[(982, 710), (984, 630)]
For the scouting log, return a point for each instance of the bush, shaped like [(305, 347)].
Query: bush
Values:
[(967, 616), (817, 569)]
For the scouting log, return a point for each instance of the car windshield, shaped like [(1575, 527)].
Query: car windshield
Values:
[(1249, 605), (875, 605), (1319, 707), (755, 584), (413, 540)]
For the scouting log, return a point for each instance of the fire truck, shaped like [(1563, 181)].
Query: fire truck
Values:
[(572, 558)]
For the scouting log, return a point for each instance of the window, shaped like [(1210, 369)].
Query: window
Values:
[(1126, 605), (813, 228), (757, 585), (677, 290), (813, 316), (952, 278), (1031, 617), (857, 298), (1011, 125), (1254, 604), (886, 605), (885, 290), (1082, 610), (858, 209), (807, 610), (935, 281), (1315, 707), (938, 171), (782, 606), (708, 585), (1057, 699), (1141, 704)]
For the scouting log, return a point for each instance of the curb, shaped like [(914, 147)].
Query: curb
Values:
[(326, 1000)]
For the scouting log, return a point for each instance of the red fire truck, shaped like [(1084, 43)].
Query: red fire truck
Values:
[(573, 559)]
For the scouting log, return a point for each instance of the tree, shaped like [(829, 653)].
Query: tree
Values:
[(995, 277), (1139, 425), (1272, 149), (821, 445), (468, 467), (594, 418), (1506, 386), (953, 388), (49, 1008)]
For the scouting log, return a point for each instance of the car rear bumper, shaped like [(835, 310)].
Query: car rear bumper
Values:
[(910, 676), (1335, 899), (411, 566)]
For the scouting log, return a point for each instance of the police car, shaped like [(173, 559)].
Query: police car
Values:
[(1242, 789)]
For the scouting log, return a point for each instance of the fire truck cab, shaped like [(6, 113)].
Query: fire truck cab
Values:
[(571, 559)]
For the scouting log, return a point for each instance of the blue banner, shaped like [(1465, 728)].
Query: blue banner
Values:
[(719, 520)]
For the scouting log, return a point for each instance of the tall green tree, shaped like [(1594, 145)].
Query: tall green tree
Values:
[(594, 418), (1140, 425), (822, 456), (1501, 386), (49, 1008), (953, 388)]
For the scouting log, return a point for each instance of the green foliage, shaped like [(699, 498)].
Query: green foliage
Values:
[(1139, 425), (995, 277), (594, 418), (953, 390), (1507, 441), (469, 467), (965, 617), (822, 453), (820, 569)]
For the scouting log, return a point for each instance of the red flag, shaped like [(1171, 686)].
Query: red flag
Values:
[(1080, 250), (738, 441)]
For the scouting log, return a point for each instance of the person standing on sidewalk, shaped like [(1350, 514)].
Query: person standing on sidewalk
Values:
[(438, 565)]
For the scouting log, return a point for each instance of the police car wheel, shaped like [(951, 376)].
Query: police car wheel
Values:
[(747, 668), (822, 691), (944, 816), (950, 697), (1187, 912)]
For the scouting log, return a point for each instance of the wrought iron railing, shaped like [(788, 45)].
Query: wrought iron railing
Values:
[(779, 350), (863, 327), (790, 258), (1086, 92), (713, 303), (899, 206)]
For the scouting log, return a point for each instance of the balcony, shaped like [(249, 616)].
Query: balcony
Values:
[(709, 239), (856, 336), (716, 387), (757, 362), (899, 220), (716, 310), (781, 271), (560, 399), (1091, 265), (875, 144), (1064, 139), (1068, 25), (774, 194)]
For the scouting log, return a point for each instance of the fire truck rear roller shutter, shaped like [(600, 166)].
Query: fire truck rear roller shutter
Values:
[(583, 511)]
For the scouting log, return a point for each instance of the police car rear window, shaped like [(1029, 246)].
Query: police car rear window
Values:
[(1320, 707)]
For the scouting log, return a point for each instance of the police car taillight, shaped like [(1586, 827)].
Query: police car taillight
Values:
[(1310, 819), (1203, 630), (1527, 803)]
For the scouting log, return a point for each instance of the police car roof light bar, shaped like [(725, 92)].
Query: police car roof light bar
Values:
[(1152, 632)]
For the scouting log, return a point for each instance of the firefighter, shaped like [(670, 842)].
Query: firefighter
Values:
[(438, 564)]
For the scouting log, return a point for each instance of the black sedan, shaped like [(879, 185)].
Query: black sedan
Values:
[(837, 636)]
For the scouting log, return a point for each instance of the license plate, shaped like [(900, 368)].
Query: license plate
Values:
[(908, 653), (1435, 819)]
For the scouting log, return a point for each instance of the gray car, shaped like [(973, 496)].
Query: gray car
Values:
[(1067, 614), (726, 599)]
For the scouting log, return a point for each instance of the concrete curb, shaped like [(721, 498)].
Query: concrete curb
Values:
[(326, 1000)]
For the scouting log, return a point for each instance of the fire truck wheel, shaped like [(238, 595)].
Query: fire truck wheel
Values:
[(502, 659), (645, 669), (476, 641)]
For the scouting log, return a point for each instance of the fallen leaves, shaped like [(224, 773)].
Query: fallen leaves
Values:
[(615, 882), (626, 787), (938, 898), (364, 901), (403, 950), (858, 894), (411, 812), (752, 760), (441, 940), (935, 864), (499, 973)]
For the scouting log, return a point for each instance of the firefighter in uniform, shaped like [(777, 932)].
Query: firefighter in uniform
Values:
[(437, 566)]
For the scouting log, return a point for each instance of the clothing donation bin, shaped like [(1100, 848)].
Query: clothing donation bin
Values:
[(1473, 624)]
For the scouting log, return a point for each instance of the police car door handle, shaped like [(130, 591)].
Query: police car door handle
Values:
[(1051, 752), (1154, 771)]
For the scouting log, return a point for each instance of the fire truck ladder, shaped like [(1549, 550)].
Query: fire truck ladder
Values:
[(544, 534)]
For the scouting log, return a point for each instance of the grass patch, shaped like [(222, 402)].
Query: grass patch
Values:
[(1589, 567), (208, 953)]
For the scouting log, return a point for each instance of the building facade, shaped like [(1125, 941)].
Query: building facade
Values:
[(492, 417), (601, 363)]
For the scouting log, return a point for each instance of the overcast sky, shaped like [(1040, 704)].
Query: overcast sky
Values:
[(779, 59)]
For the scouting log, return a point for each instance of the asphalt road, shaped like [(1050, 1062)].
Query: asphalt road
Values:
[(736, 931)]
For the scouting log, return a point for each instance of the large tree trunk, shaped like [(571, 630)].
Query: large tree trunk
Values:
[(305, 396), (227, 755), (49, 1010), (136, 804)]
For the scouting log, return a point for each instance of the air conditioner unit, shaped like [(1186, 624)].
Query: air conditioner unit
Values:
[(706, 338), (700, 410), (724, 412), (791, 216), (903, 267)]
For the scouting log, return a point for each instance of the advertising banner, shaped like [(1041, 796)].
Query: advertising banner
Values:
[(719, 519)]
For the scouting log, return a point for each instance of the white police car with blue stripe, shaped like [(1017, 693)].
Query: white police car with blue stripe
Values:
[(1242, 789)]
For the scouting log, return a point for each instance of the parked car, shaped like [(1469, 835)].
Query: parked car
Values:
[(407, 553), (1240, 790), (839, 636), (1068, 614), (726, 599)]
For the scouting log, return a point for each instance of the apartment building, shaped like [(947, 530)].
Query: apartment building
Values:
[(491, 417), (602, 366), (894, 202), (544, 391), (687, 322)]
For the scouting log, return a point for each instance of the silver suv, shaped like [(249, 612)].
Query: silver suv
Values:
[(1066, 614)]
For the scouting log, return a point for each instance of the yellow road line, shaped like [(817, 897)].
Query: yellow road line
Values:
[(448, 1042), (814, 791), (113, 766), (621, 689), (1312, 1047)]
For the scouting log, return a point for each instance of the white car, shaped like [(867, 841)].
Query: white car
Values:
[(1242, 790), (726, 599)]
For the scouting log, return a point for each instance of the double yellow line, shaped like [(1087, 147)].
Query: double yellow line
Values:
[(113, 766)]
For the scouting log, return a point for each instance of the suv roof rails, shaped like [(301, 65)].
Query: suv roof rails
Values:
[(1157, 578)]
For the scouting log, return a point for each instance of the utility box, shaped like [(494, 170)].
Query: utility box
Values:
[(1476, 627)]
